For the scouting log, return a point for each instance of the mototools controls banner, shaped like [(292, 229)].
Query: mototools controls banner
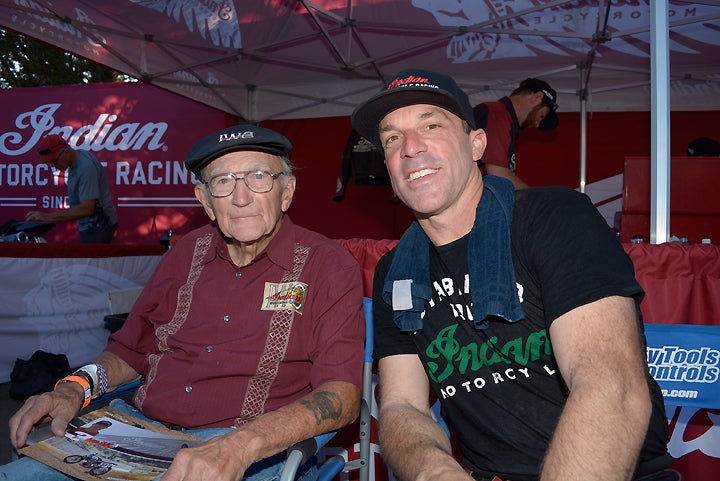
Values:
[(685, 360)]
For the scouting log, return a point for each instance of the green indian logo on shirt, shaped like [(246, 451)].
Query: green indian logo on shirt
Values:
[(474, 356)]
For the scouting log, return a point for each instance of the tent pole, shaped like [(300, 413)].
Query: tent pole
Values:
[(582, 93), (250, 90), (660, 123)]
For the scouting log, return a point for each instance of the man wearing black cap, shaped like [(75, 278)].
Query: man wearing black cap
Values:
[(89, 194), (530, 106), (249, 333), (519, 308)]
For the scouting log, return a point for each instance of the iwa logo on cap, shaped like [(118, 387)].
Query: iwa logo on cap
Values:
[(411, 81), (248, 134), (279, 296)]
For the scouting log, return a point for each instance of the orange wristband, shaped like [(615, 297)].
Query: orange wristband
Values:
[(83, 382)]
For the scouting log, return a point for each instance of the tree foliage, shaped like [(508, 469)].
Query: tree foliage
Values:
[(28, 63)]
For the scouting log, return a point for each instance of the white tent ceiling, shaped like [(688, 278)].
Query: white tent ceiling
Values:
[(272, 59)]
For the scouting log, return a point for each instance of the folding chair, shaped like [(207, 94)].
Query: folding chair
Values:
[(300, 453)]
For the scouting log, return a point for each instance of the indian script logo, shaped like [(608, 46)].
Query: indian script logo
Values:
[(279, 296), (474, 356)]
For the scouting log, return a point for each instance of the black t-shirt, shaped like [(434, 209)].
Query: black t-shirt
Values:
[(500, 387)]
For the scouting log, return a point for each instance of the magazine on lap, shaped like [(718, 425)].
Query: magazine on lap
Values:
[(107, 444)]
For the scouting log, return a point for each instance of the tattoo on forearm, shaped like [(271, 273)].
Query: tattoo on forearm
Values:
[(324, 405)]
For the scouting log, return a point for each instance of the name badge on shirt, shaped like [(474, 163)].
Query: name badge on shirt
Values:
[(279, 296)]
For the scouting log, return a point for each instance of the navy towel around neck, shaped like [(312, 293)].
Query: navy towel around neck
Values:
[(492, 277)]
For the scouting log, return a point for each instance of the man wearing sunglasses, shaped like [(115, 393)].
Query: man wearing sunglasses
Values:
[(249, 334), (530, 106), (91, 204)]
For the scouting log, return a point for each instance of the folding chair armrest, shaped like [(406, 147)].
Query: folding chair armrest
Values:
[(330, 468), (299, 453), (125, 391)]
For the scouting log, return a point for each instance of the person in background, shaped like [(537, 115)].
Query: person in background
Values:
[(531, 105), (89, 195), (249, 334), (519, 308)]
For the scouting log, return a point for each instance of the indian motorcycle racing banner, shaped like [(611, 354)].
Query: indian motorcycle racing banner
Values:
[(140, 134)]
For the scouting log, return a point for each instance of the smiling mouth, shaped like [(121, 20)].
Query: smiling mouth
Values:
[(421, 173)]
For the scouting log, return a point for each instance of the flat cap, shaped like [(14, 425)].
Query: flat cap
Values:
[(232, 139)]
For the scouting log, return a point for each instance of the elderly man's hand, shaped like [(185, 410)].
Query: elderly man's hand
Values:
[(219, 459), (60, 406)]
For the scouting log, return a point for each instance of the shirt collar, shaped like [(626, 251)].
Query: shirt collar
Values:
[(279, 250)]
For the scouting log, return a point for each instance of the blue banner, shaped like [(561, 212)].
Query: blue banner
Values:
[(685, 360)]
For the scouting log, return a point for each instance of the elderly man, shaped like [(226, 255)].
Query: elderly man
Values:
[(531, 105), (249, 334), (91, 204), (518, 308)]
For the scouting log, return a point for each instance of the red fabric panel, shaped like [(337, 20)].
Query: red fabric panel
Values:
[(694, 198), (693, 185), (682, 283), (367, 252), (694, 443)]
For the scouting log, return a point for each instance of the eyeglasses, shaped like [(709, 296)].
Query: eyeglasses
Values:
[(258, 181)]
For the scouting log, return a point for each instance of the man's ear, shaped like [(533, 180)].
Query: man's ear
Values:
[(538, 98), (203, 196), (479, 142), (288, 193)]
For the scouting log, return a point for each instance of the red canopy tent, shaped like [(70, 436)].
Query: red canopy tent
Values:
[(274, 59)]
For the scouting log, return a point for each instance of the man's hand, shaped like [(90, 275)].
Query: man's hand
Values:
[(226, 458), (60, 406), (85, 208), (37, 216), (219, 459)]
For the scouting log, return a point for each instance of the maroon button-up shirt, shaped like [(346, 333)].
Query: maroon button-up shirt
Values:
[(198, 330)]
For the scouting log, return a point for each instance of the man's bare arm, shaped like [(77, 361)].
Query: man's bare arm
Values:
[(603, 425), (413, 443), (84, 209), (118, 371), (226, 458), (493, 169)]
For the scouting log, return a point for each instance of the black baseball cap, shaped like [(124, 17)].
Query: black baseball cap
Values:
[(703, 146), (550, 121), (410, 87), (239, 137)]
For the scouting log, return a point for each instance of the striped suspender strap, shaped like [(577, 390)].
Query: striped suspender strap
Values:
[(184, 300), (275, 346)]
